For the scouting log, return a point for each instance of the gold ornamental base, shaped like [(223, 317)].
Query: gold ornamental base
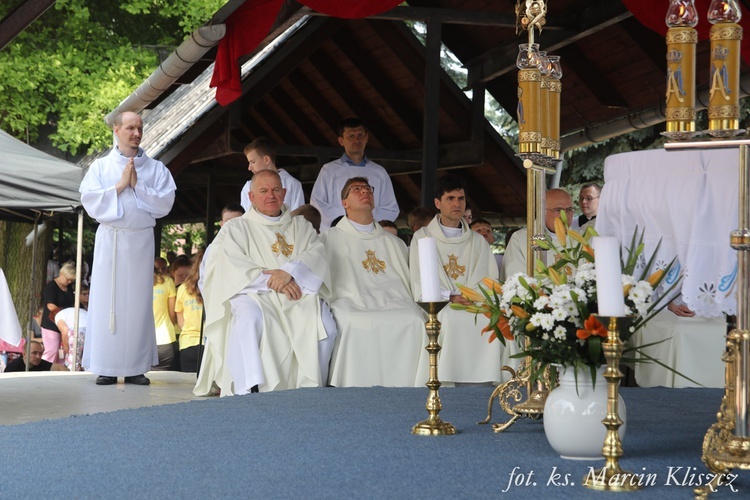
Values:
[(433, 426), (611, 477), (511, 392)]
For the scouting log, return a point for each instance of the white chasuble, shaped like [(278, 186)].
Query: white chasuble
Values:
[(380, 328), (121, 337), (466, 355), (286, 350)]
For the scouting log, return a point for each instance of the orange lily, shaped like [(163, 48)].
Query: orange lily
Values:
[(519, 312), (591, 326), (655, 277), (470, 294), (493, 285), (560, 231)]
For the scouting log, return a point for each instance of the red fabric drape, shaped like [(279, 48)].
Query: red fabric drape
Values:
[(651, 14), (251, 22)]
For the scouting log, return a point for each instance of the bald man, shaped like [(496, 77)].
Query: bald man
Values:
[(267, 327), (557, 201)]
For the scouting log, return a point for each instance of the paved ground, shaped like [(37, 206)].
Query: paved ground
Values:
[(30, 397)]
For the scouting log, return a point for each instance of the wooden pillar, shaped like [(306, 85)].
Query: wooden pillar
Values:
[(431, 112)]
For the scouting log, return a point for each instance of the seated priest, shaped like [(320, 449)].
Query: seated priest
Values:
[(464, 257), (266, 326), (556, 201), (380, 327)]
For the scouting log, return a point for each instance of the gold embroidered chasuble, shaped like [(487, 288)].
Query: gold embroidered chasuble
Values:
[(243, 249), (380, 327), (466, 356)]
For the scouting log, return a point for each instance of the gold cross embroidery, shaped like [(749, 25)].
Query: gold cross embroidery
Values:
[(452, 268), (281, 246), (371, 263)]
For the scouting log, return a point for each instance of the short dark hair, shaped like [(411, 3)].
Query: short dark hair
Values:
[(348, 183), (263, 146), (351, 122), (310, 213), (592, 185), (387, 223), (232, 207), (420, 216), (479, 221), (448, 183)]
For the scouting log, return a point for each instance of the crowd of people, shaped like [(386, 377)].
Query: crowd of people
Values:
[(289, 294)]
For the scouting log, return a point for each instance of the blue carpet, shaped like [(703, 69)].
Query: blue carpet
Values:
[(340, 443)]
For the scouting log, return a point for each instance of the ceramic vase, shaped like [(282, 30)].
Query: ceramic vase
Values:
[(573, 415)]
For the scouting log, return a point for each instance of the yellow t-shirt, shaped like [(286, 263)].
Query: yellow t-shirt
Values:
[(165, 329), (192, 311)]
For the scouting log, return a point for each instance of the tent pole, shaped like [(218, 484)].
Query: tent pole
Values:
[(77, 304), (32, 287)]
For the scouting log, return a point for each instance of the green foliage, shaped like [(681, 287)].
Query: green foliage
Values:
[(77, 62)]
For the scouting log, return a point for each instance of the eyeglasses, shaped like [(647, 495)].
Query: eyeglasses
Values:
[(558, 210), (360, 188), (588, 199)]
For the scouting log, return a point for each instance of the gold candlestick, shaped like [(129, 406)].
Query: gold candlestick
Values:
[(433, 426), (724, 96), (611, 477), (529, 97), (555, 95)]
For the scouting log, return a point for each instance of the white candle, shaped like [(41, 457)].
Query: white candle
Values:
[(428, 270), (608, 276)]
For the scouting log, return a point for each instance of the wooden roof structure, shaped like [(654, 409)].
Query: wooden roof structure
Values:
[(311, 71)]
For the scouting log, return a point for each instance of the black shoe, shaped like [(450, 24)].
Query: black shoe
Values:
[(102, 380), (137, 380), (254, 389)]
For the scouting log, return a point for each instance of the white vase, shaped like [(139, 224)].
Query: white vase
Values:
[(573, 420)]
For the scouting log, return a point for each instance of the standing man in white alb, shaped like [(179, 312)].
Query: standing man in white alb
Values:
[(125, 192), (261, 155), (326, 193)]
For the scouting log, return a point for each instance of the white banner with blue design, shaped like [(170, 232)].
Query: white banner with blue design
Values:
[(687, 200)]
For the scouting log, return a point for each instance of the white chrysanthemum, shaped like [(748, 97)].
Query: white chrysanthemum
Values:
[(545, 336), (560, 333), (542, 320), (559, 314), (581, 293), (541, 302), (628, 280), (584, 273)]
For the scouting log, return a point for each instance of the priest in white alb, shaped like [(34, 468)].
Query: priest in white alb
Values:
[(267, 327), (463, 257), (380, 327), (125, 192)]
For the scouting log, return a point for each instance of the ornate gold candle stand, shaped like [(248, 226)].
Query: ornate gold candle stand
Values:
[(724, 97), (433, 426), (611, 477)]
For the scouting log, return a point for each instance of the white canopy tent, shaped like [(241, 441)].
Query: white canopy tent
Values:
[(34, 184)]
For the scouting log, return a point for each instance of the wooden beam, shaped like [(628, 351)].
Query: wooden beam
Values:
[(596, 82), (262, 78), (20, 18), (431, 111), (447, 16)]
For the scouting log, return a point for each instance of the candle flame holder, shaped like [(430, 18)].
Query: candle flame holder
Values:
[(434, 425)]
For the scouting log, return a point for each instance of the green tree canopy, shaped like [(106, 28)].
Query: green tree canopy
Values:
[(75, 64)]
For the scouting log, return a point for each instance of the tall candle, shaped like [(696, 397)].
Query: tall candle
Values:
[(608, 276), (428, 270)]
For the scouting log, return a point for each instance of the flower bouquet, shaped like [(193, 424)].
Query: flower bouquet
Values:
[(551, 315)]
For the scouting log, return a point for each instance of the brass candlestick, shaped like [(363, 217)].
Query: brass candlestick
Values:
[(433, 426), (611, 477)]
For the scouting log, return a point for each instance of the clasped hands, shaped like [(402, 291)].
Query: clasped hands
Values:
[(281, 281), (129, 177)]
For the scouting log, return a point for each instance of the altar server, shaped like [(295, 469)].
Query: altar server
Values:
[(126, 192)]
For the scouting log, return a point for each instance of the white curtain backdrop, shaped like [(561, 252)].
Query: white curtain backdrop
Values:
[(688, 200)]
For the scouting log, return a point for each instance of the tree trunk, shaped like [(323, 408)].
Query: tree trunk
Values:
[(16, 261)]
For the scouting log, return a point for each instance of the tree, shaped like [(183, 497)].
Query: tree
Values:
[(81, 58)]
